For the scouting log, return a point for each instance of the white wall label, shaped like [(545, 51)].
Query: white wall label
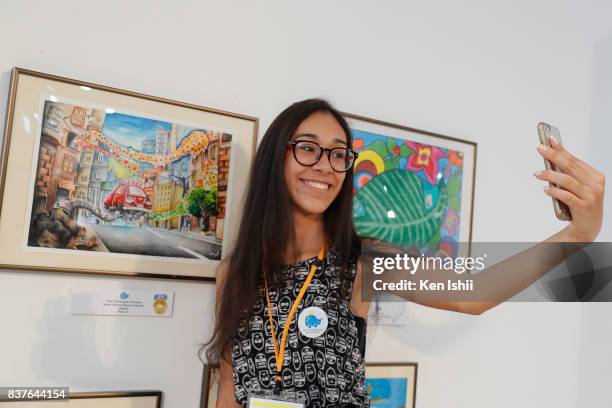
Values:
[(121, 302)]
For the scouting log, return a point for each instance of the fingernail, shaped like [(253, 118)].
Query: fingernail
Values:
[(542, 148), (537, 173), (546, 188), (552, 138)]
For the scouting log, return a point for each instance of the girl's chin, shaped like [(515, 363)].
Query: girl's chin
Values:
[(311, 210)]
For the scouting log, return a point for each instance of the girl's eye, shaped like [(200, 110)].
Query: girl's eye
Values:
[(339, 154), (305, 147)]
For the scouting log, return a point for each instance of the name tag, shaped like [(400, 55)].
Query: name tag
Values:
[(255, 402)]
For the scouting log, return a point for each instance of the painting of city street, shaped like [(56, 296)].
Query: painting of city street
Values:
[(111, 182)]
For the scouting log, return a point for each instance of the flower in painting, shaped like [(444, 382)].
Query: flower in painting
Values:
[(455, 158), (358, 143), (425, 158)]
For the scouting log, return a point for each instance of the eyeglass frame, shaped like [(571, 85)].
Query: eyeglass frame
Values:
[(322, 149)]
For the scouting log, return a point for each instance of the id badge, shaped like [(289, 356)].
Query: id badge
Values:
[(269, 400)]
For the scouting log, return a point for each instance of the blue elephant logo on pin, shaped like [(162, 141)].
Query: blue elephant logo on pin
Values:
[(124, 295), (312, 321)]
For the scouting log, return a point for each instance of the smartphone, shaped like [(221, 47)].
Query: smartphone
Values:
[(545, 130)]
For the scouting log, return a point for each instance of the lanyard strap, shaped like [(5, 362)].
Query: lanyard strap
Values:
[(279, 354)]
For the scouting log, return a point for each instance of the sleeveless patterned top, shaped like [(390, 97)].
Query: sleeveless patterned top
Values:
[(326, 371)]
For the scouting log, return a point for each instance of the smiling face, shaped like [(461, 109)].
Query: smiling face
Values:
[(312, 189)]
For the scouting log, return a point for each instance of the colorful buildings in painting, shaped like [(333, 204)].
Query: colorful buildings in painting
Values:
[(59, 175), (161, 201), (148, 145), (98, 175), (209, 169), (82, 183), (74, 164), (205, 163), (162, 142), (222, 181)]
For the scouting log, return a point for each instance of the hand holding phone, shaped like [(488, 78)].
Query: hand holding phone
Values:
[(578, 185), (545, 130)]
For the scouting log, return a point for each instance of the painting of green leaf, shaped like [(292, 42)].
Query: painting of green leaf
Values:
[(407, 193)]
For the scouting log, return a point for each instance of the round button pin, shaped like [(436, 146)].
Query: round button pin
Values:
[(312, 322)]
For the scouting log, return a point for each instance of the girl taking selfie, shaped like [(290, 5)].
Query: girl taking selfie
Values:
[(290, 320)]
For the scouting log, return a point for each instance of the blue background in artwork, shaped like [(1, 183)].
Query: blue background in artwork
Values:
[(387, 392), (130, 131)]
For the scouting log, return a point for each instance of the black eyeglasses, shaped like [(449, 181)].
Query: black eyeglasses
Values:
[(308, 153)]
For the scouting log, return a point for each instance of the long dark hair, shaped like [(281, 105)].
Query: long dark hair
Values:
[(266, 230)]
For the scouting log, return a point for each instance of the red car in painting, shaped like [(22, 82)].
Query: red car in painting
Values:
[(126, 197)]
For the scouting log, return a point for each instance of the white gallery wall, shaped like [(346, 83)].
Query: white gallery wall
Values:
[(486, 71)]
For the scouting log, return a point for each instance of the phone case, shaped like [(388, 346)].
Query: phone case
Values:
[(545, 130)]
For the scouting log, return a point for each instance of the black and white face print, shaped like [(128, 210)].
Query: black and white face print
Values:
[(322, 371)]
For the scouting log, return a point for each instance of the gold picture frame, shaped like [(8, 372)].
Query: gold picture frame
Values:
[(100, 180)]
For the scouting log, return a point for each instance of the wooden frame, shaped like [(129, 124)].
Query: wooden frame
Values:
[(200, 148), (77, 400), (210, 386)]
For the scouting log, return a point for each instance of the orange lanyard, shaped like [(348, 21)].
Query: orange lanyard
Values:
[(280, 354)]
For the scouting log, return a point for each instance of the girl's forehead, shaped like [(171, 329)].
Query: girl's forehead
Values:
[(321, 127), (321, 140)]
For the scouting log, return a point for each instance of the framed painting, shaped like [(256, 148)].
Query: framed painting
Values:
[(210, 386), (391, 385), (413, 187), (122, 399), (95, 179)]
